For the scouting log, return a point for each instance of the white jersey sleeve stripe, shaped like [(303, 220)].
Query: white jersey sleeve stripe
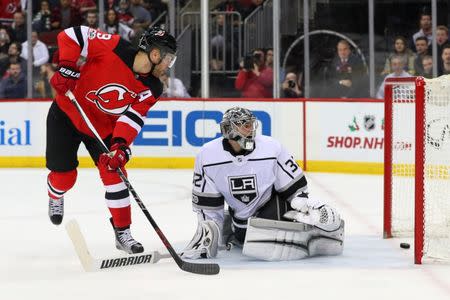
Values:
[(125, 119), (207, 208), (207, 195)]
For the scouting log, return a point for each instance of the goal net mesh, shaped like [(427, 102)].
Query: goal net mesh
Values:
[(436, 166)]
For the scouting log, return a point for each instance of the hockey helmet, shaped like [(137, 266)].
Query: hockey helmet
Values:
[(238, 119), (158, 38)]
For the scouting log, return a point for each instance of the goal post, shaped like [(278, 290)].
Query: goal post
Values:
[(417, 164)]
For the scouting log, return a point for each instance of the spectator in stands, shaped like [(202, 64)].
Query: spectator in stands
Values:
[(40, 51), (398, 71), (244, 9), (84, 6), (18, 28), (444, 68), (156, 7), (223, 43), (254, 79), (425, 28), (91, 20), (427, 67), (42, 21), (441, 40), (142, 17), (42, 86), (123, 13), (257, 2), (4, 43), (111, 4), (65, 15), (421, 51), (346, 74), (291, 86), (113, 26), (400, 49), (9, 8), (269, 57), (13, 57), (173, 88), (15, 85)]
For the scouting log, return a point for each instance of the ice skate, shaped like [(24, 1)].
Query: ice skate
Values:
[(125, 242), (56, 210)]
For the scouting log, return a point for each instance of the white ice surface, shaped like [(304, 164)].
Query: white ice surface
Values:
[(37, 260)]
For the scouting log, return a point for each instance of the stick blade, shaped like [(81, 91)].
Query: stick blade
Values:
[(203, 269), (79, 243)]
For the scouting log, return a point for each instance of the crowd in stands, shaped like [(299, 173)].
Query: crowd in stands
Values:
[(418, 60), (345, 76), (124, 17)]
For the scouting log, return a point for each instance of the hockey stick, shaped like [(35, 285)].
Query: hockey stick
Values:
[(92, 264), (197, 268)]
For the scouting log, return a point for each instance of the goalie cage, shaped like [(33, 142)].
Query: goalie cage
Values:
[(417, 165)]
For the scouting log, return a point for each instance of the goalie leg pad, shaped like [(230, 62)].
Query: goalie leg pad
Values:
[(279, 240)]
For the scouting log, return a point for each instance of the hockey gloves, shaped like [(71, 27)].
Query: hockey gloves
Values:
[(306, 210), (65, 77), (118, 156), (304, 204)]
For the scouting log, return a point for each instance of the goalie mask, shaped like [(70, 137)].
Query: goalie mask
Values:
[(239, 124)]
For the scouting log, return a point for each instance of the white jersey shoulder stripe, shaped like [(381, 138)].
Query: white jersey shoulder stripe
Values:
[(84, 33)]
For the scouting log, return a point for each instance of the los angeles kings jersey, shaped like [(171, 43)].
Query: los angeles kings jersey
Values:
[(244, 182), (115, 99)]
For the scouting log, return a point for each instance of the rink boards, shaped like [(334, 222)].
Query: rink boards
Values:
[(330, 135)]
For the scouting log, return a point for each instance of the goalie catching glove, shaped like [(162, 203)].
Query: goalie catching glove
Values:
[(205, 242), (118, 156), (65, 78), (313, 212)]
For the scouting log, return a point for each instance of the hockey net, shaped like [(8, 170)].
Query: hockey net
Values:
[(417, 164)]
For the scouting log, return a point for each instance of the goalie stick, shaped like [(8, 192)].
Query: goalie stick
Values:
[(92, 264), (197, 268)]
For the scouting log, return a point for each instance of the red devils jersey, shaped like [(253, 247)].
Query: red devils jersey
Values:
[(115, 99), (8, 8)]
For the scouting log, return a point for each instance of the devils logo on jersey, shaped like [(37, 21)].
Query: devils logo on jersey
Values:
[(114, 99), (243, 188)]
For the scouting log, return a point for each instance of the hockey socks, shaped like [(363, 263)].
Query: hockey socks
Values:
[(57, 184)]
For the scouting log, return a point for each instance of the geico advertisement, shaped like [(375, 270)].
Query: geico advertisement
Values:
[(22, 128), (171, 129), (178, 129), (345, 131)]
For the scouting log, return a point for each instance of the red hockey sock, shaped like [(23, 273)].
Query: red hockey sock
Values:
[(121, 216), (60, 182)]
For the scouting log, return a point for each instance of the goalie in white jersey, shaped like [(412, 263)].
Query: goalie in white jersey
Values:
[(269, 212)]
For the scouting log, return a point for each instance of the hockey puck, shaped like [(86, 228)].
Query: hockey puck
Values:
[(404, 245)]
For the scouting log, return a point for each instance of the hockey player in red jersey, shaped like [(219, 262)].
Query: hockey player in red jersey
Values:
[(116, 87)]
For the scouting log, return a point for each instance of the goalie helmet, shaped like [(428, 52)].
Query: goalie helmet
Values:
[(239, 124), (158, 38)]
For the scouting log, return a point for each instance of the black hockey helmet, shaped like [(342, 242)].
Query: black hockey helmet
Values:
[(232, 120), (156, 37)]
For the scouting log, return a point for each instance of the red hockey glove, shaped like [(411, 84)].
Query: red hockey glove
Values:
[(65, 77), (118, 156)]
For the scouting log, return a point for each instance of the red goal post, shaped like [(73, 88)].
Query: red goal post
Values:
[(417, 164)]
